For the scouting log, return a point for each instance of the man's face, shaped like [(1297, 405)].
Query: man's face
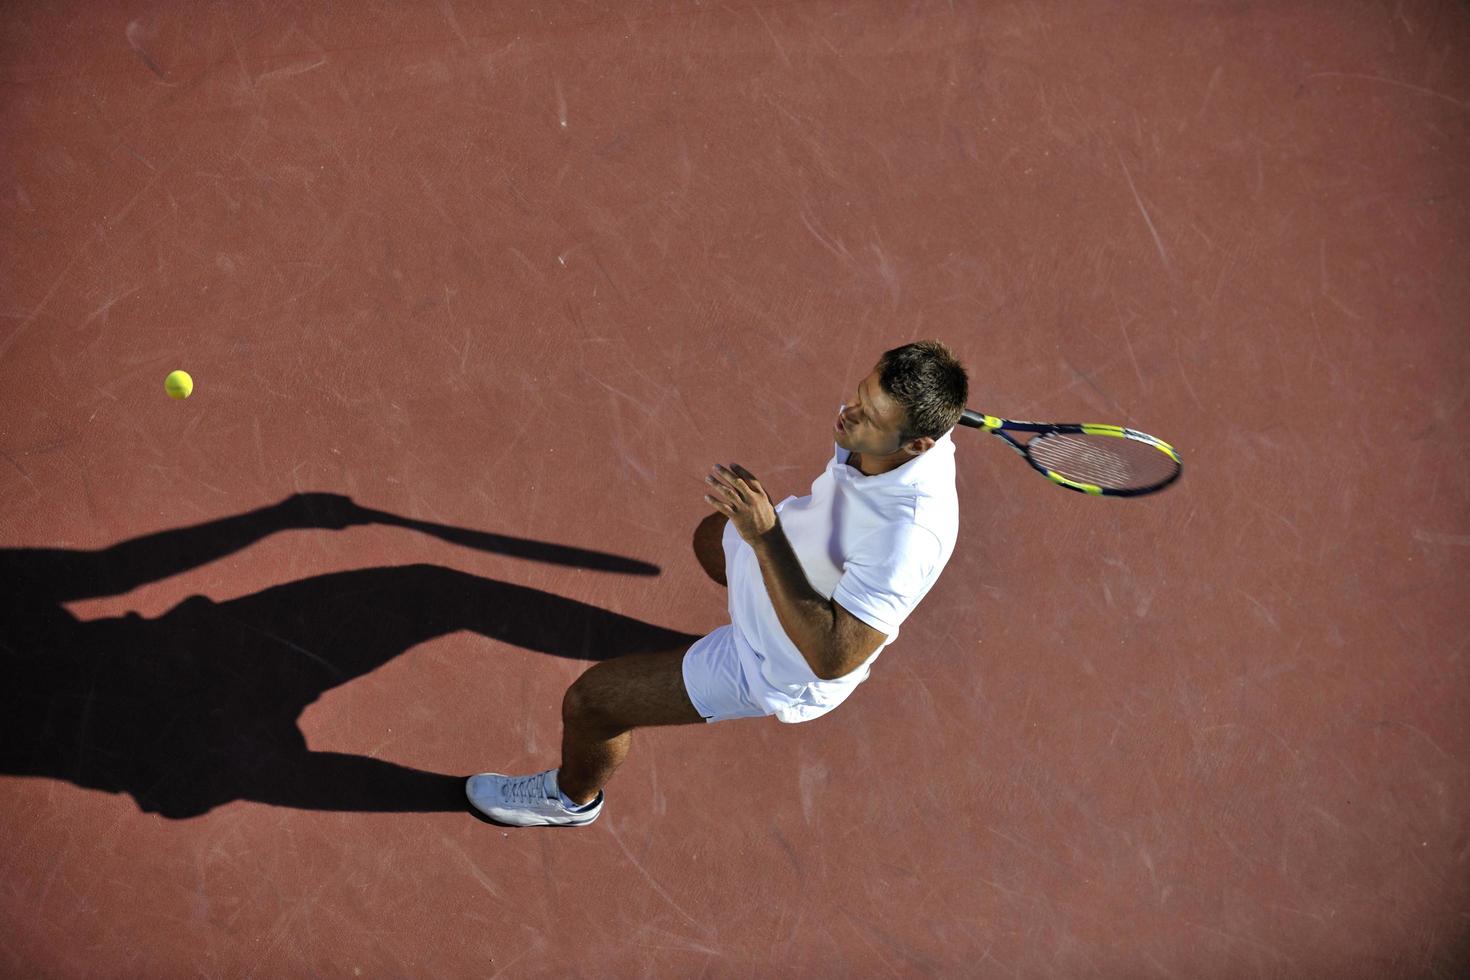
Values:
[(871, 425)]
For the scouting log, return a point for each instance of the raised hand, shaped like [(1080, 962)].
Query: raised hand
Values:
[(736, 493), (331, 511)]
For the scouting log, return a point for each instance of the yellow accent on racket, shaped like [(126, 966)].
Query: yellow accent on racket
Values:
[(1084, 487)]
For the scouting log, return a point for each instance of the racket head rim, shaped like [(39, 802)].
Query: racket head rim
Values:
[(1096, 490)]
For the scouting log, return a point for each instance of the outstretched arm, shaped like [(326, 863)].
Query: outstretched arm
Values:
[(63, 575)]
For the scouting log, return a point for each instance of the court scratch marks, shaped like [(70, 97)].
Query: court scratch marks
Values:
[(1417, 731), (832, 245), (682, 943), (138, 34), (1311, 915), (659, 889), (537, 947), (284, 923), (1325, 286), (289, 71), (449, 311), (1158, 242), (780, 49), (1028, 409), (1215, 77), (1184, 376), (1030, 850), (1440, 537), (102, 310), (1458, 103), (474, 869), (1148, 862), (1128, 341), (1290, 524), (886, 272), (1233, 727), (628, 459), (1247, 940), (30, 317), (811, 781), (1083, 376), (620, 393), (22, 471), (446, 9), (1261, 609), (862, 931)]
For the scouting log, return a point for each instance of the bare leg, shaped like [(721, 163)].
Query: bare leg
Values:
[(605, 704), (646, 690)]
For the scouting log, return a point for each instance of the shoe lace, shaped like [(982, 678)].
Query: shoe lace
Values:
[(527, 789)]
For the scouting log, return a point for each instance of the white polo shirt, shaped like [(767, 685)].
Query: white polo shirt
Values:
[(874, 544)]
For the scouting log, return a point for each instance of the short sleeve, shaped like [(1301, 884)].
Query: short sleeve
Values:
[(887, 574)]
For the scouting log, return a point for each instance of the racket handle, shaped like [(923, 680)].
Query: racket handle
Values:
[(972, 418)]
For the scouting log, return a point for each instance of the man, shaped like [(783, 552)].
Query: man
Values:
[(818, 586)]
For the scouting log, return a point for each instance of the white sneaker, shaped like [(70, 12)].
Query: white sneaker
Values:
[(526, 801)]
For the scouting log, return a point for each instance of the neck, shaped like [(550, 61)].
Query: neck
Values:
[(877, 465)]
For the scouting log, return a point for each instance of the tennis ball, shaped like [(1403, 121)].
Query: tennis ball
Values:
[(178, 384)]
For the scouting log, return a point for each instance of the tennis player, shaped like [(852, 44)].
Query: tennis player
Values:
[(818, 586)]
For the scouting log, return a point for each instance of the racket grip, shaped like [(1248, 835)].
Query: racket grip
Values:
[(972, 418)]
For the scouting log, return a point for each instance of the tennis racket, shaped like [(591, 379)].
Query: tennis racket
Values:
[(1103, 460)]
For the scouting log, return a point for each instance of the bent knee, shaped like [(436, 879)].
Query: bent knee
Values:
[(582, 705), (709, 546)]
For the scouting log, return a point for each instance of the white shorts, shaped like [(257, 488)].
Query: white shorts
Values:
[(717, 685), (723, 680)]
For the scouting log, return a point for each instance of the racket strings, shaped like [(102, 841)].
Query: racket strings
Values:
[(1105, 461)]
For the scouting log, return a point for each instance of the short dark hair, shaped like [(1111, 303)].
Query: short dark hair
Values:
[(929, 382)]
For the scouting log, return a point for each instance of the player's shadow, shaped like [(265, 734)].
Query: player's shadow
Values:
[(199, 707)]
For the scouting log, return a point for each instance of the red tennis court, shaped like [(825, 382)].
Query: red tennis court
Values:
[(473, 295)]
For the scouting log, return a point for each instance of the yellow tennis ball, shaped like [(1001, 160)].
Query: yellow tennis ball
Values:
[(178, 384)]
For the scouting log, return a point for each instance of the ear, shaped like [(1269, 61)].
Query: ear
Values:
[(919, 445)]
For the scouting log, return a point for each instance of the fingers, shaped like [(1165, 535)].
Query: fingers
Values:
[(748, 477), (734, 486), (730, 484), (738, 474)]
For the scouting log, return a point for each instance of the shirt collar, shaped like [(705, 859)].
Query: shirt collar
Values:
[(909, 474)]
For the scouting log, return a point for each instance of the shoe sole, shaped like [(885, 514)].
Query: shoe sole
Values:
[(475, 812)]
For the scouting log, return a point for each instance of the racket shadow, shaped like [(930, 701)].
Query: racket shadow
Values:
[(200, 706)]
